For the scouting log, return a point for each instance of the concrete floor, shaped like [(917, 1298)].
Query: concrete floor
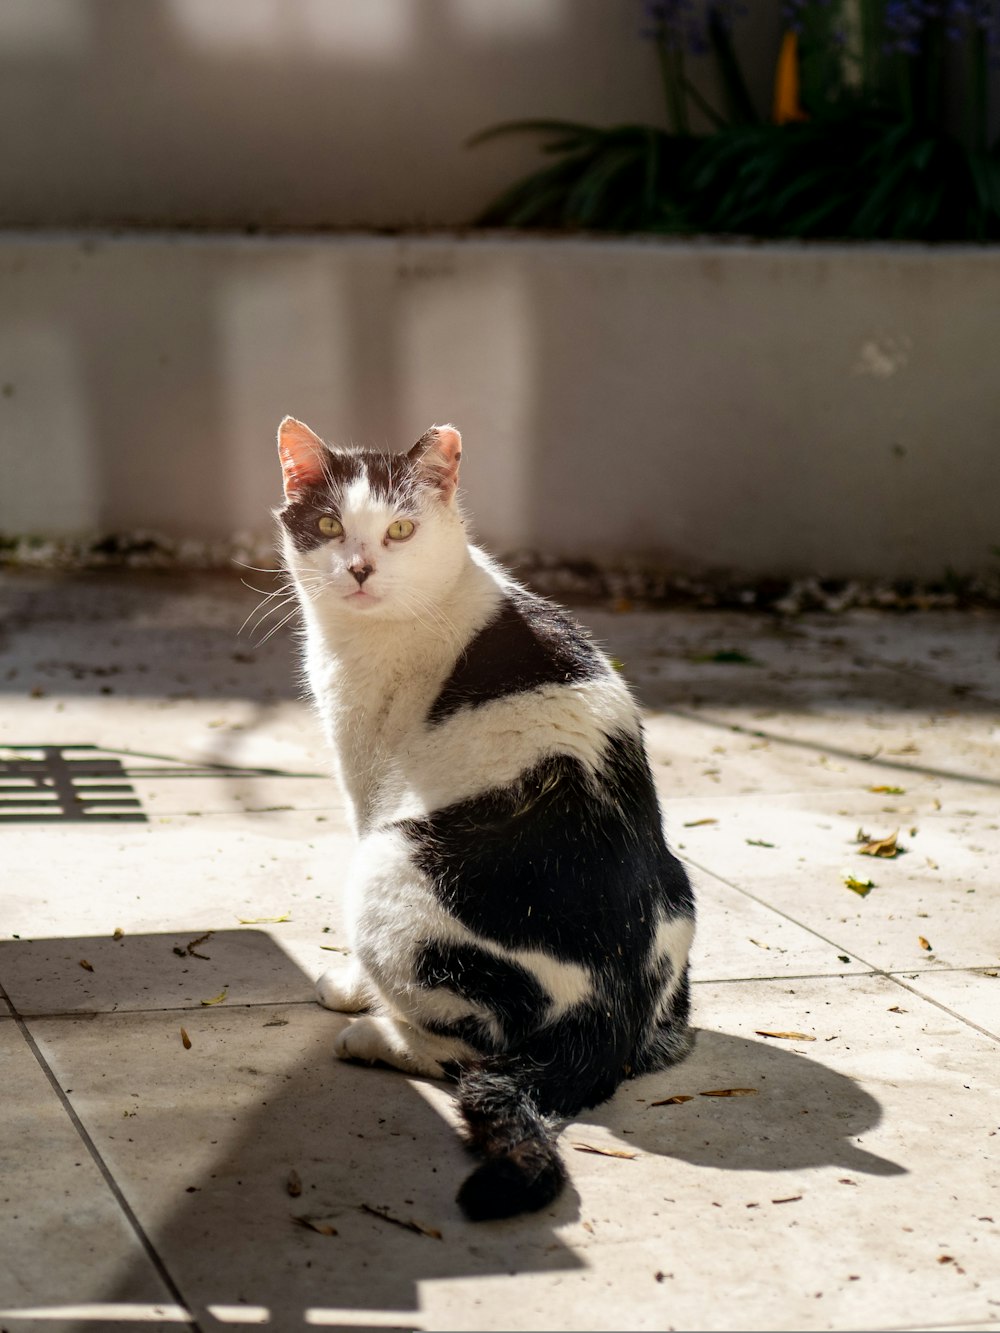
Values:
[(167, 1078)]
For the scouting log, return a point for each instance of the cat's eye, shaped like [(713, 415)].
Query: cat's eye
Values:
[(400, 530), (330, 526)]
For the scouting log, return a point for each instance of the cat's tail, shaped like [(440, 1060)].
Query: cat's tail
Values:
[(522, 1170)]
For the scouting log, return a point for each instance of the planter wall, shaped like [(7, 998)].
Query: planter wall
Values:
[(770, 409)]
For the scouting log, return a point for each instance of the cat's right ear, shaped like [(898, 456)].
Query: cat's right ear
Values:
[(303, 456)]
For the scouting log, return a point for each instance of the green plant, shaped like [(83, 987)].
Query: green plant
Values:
[(860, 147)]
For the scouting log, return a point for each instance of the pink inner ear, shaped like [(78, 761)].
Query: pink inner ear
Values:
[(438, 453), (302, 455)]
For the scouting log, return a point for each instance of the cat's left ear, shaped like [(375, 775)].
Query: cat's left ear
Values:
[(303, 457), (437, 455)]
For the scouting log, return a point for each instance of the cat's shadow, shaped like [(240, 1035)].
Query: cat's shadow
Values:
[(790, 1110)]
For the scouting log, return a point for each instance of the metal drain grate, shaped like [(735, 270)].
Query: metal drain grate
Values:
[(44, 784)]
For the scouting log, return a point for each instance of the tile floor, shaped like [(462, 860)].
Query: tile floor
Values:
[(148, 1138)]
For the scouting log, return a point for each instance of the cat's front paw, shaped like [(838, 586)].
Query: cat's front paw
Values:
[(345, 989), (363, 1040), (374, 1039)]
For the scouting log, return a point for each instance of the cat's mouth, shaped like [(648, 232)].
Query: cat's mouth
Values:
[(360, 597)]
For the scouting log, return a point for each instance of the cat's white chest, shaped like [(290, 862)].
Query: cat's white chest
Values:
[(374, 716)]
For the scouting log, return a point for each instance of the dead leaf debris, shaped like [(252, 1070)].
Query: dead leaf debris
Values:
[(886, 846), (604, 1152), (784, 1036), (310, 1224), (190, 950), (408, 1224)]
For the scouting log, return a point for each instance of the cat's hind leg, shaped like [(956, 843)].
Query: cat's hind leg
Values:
[(346, 988), (396, 1043)]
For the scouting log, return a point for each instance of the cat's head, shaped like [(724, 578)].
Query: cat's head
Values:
[(372, 534)]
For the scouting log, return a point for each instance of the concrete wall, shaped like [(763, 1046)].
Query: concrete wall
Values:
[(346, 113), (783, 410)]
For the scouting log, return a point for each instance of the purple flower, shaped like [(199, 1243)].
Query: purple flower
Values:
[(907, 20), (683, 24)]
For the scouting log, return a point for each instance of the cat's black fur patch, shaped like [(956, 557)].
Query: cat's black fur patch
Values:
[(584, 875), (551, 863), (509, 991), (527, 643)]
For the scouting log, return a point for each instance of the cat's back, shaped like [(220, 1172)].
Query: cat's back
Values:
[(528, 684), (525, 644)]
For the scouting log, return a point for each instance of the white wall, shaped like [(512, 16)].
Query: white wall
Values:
[(773, 409), (299, 113)]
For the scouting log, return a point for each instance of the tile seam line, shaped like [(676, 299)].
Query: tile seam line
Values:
[(145, 1244), (988, 1322), (887, 761), (875, 970), (163, 1009)]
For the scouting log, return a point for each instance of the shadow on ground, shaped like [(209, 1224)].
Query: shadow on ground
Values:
[(208, 1132)]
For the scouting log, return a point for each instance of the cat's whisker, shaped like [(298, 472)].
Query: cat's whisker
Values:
[(257, 569), (274, 628), (283, 590), (311, 587), (262, 620)]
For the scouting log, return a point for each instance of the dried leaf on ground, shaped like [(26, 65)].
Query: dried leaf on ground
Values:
[(321, 1228), (604, 1152), (264, 920), (217, 999), (729, 1092), (696, 823), (407, 1223), (335, 948), (675, 1100), (758, 842), (793, 1198), (862, 887), (881, 846), (87, 967), (294, 1183), (924, 944), (185, 1039), (785, 1036), (118, 934), (191, 948), (889, 791)]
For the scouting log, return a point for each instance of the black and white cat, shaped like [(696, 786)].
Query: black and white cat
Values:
[(517, 920)]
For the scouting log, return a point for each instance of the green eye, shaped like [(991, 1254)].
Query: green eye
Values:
[(330, 526), (400, 530)]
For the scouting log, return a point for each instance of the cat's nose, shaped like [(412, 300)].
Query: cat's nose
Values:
[(361, 571)]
